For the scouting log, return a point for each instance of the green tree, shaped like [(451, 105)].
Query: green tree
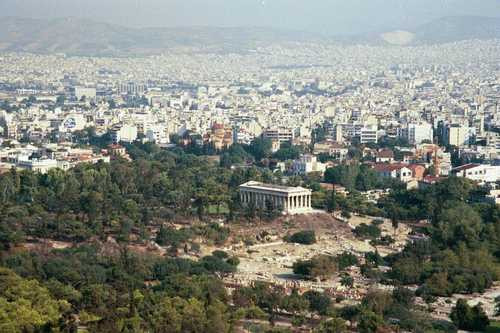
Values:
[(332, 325), (369, 322), (318, 302), (467, 318), (25, 305), (218, 319), (306, 237), (295, 303), (260, 148), (320, 266), (458, 224), (193, 317), (346, 280)]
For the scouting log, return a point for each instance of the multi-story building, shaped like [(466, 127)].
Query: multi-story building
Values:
[(457, 135), (338, 134), (132, 88), (123, 133), (333, 149), (87, 92), (307, 164), (157, 133), (368, 134), (416, 133), (481, 173), (397, 171), (280, 135)]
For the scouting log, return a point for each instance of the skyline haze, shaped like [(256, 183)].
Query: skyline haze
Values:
[(337, 17)]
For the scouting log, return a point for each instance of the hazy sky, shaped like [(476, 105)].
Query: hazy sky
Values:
[(326, 16)]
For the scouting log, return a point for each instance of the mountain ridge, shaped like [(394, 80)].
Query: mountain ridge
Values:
[(78, 36)]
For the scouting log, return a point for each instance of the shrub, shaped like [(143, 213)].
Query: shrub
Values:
[(367, 231), (321, 266), (306, 237)]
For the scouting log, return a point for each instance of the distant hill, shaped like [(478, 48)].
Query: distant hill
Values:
[(86, 37), (446, 30), (451, 29), (75, 36)]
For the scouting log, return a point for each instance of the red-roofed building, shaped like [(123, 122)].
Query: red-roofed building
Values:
[(417, 171), (429, 180), (481, 173), (385, 156), (397, 171)]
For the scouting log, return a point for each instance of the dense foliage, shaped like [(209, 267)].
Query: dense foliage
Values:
[(469, 318), (323, 266), (462, 248), (102, 213), (359, 177), (306, 237)]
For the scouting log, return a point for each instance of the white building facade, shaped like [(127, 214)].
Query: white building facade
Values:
[(481, 173), (307, 164), (292, 200), (416, 133)]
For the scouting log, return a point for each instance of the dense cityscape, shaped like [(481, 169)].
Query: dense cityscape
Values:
[(296, 187)]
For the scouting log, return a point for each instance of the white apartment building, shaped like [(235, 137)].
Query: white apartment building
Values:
[(132, 88), (279, 134), (416, 133), (88, 93), (39, 165), (368, 134), (493, 141), (307, 164), (124, 133), (338, 134), (157, 134), (481, 173), (458, 135)]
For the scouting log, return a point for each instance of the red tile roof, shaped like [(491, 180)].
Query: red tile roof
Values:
[(465, 167), (385, 167), (385, 153)]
